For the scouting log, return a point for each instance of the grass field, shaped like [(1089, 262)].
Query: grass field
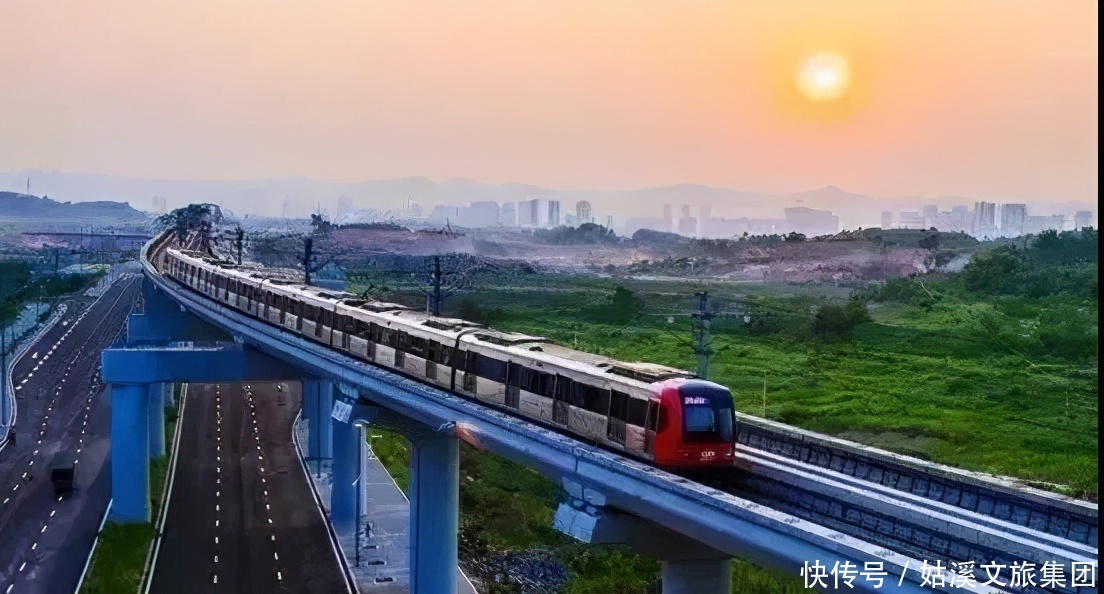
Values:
[(942, 384), (955, 380)]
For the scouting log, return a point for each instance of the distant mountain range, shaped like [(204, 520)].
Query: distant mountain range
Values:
[(303, 196), (23, 207)]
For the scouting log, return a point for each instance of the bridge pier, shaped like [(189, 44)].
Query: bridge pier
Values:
[(434, 512), (130, 416), (136, 374), (156, 419), (317, 408), (689, 567), (348, 454)]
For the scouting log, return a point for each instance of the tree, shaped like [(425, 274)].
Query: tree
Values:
[(194, 225), (999, 271), (839, 321), (320, 225), (310, 261), (450, 274)]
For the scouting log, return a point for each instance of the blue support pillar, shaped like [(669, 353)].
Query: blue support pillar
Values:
[(317, 408), (129, 453), (156, 420), (434, 514), (348, 450)]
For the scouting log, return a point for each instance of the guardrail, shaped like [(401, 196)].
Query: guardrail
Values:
[(9, 388)]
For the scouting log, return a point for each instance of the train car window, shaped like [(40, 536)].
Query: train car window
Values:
[(490, 368), (446, 354), (638, 411), (513, 377), (596, 399), (661, 419), (653, 415), (707, 419), (416, 346), (576, 395), (547, 382), (619, 405), (563, 389)]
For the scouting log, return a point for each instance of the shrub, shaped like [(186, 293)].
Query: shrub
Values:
[(839, 321)]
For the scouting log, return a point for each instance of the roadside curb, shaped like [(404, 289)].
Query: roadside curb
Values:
[(9, 390), (170, 478), (346, 571), (95, 543)]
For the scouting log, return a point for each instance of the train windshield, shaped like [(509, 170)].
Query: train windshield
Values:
[(707, 413)]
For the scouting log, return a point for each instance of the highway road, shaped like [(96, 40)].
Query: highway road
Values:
[(45, 539), (241, 517)]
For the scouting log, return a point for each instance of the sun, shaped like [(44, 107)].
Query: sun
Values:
[(824, 77)]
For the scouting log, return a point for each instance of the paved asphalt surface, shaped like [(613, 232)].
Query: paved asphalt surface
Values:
[(241, 517), (44, 540)]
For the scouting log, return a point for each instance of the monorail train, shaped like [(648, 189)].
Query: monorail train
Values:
[(662, 415)]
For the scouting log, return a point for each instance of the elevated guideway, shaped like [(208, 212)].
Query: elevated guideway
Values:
[(784, 513)]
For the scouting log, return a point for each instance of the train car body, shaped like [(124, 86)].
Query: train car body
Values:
[(659, 414)]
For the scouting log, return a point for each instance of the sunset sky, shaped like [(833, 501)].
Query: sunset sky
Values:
[(988, 99)]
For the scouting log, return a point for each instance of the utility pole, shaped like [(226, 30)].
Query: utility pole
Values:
[(240, 233), (308, 247), (433, 299), (703, 342)]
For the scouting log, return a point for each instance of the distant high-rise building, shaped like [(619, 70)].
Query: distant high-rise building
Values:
[(1082, 218), (481, 214), (159, 204), (1013, 217), (887, 219), (570, 219), (669, 218), (1038, 224), (553, 213), (685, 211), (688, 226), (528, 213), (985, 219), (582, 212), (811, 222), (911, 220), (507, 214), (930, 213)]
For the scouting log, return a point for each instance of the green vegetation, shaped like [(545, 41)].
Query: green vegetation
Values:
[(121, 555), (19, 286), (972, 370), (119, 559)]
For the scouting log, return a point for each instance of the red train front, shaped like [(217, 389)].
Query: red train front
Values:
[(696, 424)]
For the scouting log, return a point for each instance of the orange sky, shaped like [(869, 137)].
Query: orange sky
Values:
[(988, 99)]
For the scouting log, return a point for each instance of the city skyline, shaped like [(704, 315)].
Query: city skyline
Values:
[(767, 97)]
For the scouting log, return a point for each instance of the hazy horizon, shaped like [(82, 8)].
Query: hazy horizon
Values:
[(986, 99)]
